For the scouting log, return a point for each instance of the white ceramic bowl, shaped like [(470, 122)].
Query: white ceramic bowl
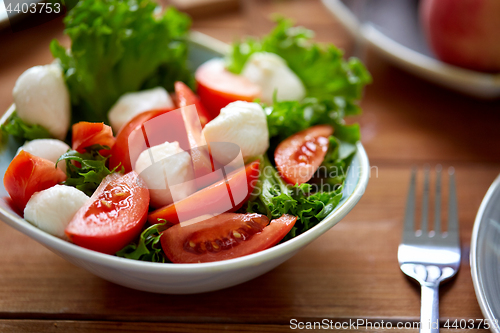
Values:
[(185, 278)]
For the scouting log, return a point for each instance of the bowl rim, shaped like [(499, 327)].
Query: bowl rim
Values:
[(476, 273), (63, 247)]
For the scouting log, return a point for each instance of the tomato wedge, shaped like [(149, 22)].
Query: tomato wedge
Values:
[(298, 157), (121, 151), (114, 216), (185, 96), (223, 237), (214, 199), (217, 87), (86, 134), (28, 174)]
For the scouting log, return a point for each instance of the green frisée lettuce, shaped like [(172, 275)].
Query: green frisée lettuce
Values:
[(16, 127), (321, 68), (148, 248), (337, 160), (118, 47), (289, 117), (333, 84), (91, 170), (273, 197)]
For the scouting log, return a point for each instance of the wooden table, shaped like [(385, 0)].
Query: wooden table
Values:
[(351, 272)]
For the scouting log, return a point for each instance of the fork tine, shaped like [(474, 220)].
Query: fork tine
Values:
[(409, 223), (452, 204), (437, 210), (425, 201)]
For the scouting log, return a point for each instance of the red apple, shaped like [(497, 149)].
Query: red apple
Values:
[(464, 33)]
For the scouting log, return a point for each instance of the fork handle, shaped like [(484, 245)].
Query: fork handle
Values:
[(429, 309)]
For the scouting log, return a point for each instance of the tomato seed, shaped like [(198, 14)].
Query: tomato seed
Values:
[(106, 203)]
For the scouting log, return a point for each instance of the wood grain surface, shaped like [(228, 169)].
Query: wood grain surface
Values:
[(46, 326), (350, 272)]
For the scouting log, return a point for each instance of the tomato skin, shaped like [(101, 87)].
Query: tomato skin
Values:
[(185, 96), (86, 134), (211, 199), (28, 174), (223, 237), (298, 157), (120, 153), (114, 215), (217, 87)]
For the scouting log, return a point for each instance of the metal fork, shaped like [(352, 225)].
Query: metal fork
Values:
[(430, 257)]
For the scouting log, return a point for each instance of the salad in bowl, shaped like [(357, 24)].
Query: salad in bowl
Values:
[(142, 147)]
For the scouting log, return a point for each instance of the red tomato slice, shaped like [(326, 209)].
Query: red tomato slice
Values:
[(217, 87), (114, 216), (186, 96), (214, 199), (121, 151), (298, 157), (86, 134), (28, 174), (223, 237)]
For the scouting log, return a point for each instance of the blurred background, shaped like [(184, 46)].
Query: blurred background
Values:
[(412, 114)]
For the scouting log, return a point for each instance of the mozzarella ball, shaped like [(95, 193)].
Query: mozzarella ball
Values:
[(241, 123), (271, 73), (49, 149), (130, 105), (42, 98), (168, 173), (52, 209)]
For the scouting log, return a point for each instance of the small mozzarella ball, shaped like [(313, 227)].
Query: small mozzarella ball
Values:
[(271, 73), (131, 104), (50, 149), (52, 209), (243, 124), (42, 98), (168, 173)]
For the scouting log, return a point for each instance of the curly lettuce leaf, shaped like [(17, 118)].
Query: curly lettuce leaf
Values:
[(88, 173), (321, 68), (275, 198), (289, 117), (335, 166), (118, 47), (19, 129), (148, 248)]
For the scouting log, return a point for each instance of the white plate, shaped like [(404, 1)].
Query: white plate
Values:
[(392, 28), (485, 256), (185, 278)]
